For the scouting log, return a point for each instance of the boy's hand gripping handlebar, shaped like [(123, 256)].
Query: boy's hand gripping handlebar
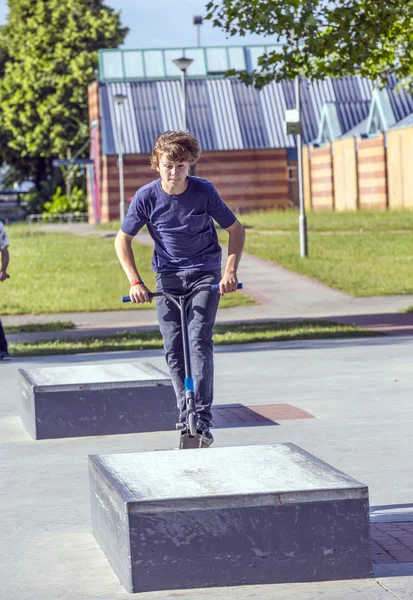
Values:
[(214, 287)]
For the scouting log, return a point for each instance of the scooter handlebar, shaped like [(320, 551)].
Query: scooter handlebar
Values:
[(127, 298), (214, 288)]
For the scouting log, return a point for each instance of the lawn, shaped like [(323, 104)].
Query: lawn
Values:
[(223, 335), (40, 327), (355, 222), (362, 254), (372, 264), (62, 272)]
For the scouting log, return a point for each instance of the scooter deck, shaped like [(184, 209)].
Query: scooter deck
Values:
[(187, 441)]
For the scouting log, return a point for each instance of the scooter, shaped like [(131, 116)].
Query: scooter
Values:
[(189, 437)]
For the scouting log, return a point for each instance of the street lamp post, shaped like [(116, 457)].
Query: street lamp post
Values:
[(198, 22), (119, 101), (302, 221), (183, 64), (294, 127)]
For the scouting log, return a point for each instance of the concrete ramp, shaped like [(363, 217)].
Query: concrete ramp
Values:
[(228, 516), (88, 400)]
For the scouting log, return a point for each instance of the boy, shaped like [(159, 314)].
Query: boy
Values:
[(4, 249), (179, 210)]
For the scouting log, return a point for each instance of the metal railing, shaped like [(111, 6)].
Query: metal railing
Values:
[(58, 218)]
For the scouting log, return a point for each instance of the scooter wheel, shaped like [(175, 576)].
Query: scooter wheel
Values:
[(192, 424)]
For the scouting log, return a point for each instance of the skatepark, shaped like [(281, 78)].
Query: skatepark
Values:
[(350, 406), (109, 489)]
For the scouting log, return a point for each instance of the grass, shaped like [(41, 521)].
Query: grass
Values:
[(329, 222), (374, 264), (365, 253), (362, 221), (373, 258), (40, 327), (62, 272), (223, 335), (111, 226)]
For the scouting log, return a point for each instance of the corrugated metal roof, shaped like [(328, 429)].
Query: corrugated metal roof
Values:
[(224, 114), (350, 114), (339, 118), (406, 122), (224, 124), (357, 130), (401, 101), (354, 116)]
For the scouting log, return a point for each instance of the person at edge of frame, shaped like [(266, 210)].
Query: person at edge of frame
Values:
[(178, 210), (4, 249)]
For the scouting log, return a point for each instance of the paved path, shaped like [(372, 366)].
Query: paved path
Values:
[(281, 294)]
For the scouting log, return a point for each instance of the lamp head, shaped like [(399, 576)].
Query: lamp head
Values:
[(183, 63), (119, 98)]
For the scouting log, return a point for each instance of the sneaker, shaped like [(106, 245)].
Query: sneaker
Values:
[(4, 356), (206, 435)]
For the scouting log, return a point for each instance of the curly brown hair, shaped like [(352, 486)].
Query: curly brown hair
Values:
[(179, 146)]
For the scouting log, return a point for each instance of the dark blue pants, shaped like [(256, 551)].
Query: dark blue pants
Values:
[(3, 342), (201, 318)]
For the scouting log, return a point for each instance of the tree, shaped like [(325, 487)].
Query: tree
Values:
[(319, 38), (3, 57), (51, 57)]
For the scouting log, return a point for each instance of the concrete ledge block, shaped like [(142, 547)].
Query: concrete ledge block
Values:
[(228, 516), (89, 400)]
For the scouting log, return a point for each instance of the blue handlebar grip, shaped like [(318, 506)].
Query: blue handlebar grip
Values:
[(127, 298), (215, 287)]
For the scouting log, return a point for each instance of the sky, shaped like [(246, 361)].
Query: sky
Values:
[(166, 24)]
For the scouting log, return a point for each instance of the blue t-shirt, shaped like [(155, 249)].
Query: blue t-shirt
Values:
[(181, 225)]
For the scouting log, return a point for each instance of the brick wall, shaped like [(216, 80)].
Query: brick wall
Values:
[(246, 180)]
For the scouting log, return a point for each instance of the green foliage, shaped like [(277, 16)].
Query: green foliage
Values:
[(4, 57), (78, 201), (320, 39), (38, 196), (51, 48), (60, 203)]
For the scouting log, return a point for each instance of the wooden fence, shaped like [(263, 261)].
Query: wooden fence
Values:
[(358, 173)]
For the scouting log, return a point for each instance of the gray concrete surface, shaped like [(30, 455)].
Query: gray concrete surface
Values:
[(359, 392), (57, 402), (264, 513)]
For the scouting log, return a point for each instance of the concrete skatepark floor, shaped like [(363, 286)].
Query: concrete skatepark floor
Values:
[(359, 395)]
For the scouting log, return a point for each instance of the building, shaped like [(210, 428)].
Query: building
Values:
[(246, 152)]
